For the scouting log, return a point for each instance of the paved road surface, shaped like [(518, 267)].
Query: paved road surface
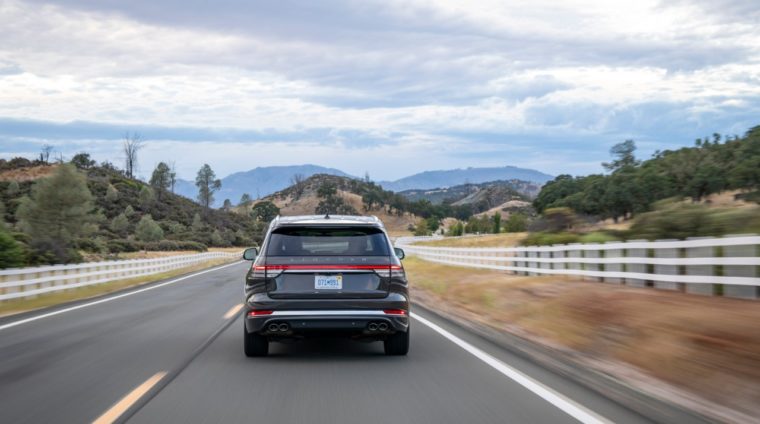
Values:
[(168, 353)]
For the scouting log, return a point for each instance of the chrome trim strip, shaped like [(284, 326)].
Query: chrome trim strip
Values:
[(334, 312)]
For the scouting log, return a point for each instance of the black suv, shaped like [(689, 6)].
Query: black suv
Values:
[(326, 275)]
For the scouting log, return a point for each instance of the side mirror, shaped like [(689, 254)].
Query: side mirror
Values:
[(399, 252), (250, 254)]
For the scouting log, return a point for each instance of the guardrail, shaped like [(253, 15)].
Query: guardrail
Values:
[(28, 282), (728, 266)]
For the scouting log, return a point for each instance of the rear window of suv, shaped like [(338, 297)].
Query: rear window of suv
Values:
[(342, 241)]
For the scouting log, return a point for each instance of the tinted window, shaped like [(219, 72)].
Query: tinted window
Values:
[(305, 241)]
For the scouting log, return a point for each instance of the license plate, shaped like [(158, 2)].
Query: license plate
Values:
[(328, 282)]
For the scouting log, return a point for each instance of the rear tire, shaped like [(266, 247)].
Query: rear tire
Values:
[(254, 344), (397, 344)]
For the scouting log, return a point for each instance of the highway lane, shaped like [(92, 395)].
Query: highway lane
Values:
[(75, 366)]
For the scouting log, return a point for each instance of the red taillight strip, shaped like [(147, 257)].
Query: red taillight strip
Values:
[(394, 312), (337, 267), (258, 313)]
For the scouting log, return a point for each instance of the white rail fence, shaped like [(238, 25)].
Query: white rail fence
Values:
[(728, 266), (29, 282)]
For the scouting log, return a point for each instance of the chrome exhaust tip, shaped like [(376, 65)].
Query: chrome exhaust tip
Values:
[(283, 327), (383, 326), (372, 326), (273, 327)]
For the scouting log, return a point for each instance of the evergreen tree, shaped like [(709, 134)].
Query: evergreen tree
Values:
[(11, 253), (120, 224), (207, 184), (146, 198), (245, 199), (148, 230), (112, 194), (129, 212), (197, 224), (161, 178), (57, 212)]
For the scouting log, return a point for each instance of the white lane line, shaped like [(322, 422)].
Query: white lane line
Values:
[(233, 311), (97, 302), (568, 406), (130, 399)]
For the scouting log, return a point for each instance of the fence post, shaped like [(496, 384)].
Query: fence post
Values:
[(666, 269), (638, 268), (613, 267), (591, 254), (546, 265), (747, 250), (700, 252), (574, 252)]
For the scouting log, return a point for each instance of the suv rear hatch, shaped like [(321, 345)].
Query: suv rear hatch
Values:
[(349, 262)]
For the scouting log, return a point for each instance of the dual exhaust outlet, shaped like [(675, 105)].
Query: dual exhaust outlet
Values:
[(377, 326), (278, 328)]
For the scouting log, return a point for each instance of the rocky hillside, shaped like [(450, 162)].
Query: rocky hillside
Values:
[(305, 199)]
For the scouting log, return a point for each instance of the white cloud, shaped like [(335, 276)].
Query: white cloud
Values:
[(416, 73)]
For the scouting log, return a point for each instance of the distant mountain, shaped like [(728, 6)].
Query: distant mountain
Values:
[(261, 181), (453, 177), (489, 193)]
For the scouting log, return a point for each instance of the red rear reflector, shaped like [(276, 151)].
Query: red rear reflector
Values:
[(258, 313), (394, 312)]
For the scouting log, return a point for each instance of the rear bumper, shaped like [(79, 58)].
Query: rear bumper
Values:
[(313, 322), (313, 316)]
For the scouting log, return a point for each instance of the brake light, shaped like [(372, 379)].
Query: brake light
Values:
[(272, 271), (259, 313), (394, 312)]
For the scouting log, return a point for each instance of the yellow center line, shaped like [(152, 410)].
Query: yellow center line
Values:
[(233, 311), (130, 399)]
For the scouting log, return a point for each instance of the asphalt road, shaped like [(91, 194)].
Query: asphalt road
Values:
[(172, 352)]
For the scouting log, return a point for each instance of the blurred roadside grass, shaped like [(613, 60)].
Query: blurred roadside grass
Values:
[(15, 306), (697, 343), (485, 240)]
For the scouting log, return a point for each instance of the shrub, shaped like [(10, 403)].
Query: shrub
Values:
[(546, 238), (678, 221), (11, 252), (123, 245)]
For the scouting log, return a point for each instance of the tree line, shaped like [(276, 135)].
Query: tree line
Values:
[(714, 164)]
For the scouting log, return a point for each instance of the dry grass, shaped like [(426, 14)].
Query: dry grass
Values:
[(27, 174), (150, 254), (705, 345), (15, 306), (486, 240)]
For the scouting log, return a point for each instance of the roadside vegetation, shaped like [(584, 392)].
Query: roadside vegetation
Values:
[(668, 196), (64, 212), (697, 344)]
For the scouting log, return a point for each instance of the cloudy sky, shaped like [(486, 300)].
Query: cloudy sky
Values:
[(390, 87)]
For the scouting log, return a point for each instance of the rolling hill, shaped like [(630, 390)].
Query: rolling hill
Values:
[(257, 182), (453, 177)]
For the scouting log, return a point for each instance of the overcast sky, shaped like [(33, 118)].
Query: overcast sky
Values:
[(391, 87)]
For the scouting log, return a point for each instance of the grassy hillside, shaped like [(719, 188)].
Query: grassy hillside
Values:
[(125, 215)]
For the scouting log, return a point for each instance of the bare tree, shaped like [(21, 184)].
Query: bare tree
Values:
[(45, 153), (297, 181), (133, 142)]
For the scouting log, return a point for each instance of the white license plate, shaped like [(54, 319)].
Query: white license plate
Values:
[(328, 282)]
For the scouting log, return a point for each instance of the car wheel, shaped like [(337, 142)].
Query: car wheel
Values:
[(398, 343), (255, 344)]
